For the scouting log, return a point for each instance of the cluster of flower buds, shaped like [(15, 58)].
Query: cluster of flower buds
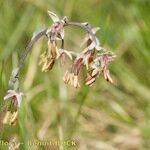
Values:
[(94, 57)]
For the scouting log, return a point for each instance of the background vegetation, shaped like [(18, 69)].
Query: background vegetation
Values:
[(104, 117)]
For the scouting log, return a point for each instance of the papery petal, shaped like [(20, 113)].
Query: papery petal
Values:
[(53, 16), (14, 95), (10, 94), (95, 29)]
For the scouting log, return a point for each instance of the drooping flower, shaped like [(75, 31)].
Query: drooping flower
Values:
[(88, 58), (56, 30), (48, 57), (106, 74), (10, 118), (93, 56), (105, 58), (15, 96), (100, 66), (71, 77)]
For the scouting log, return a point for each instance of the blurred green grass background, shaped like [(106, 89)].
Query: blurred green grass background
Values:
[(105, 116)]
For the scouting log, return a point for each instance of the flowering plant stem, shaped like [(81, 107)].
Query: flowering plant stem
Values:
[(93, 57), (42, 33)]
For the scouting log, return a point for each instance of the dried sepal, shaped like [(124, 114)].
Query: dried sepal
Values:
[(87, 59), (48, 57), (106, 75), (10, 118), (71, 79)]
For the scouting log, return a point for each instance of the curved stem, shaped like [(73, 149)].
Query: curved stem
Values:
[(27, 49), (24, 54), (85, 26), (15, 72)]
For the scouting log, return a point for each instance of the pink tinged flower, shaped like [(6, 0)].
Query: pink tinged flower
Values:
[(15, 96), (71, 77), (77, 65), (56, 30), (106, 57)]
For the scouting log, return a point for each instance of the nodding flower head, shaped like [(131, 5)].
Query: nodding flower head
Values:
[(71, 77), (106, 57), (15, 96), (48, 57), (93, 57), (56, 30), (88, 58)]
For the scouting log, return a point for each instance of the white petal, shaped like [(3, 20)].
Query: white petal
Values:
[(94, 30), (54, 17), (8, 96), (10, 93)]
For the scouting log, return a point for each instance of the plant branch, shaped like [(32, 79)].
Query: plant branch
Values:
[(27, 49), (15, 72), (85, 26)]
